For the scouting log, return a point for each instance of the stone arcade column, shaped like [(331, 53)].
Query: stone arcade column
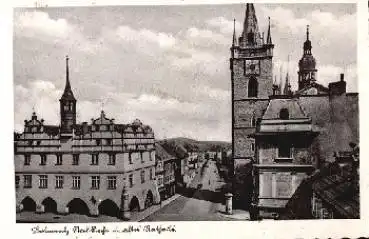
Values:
[(19, 207), (124, 209), (62, 209), (40, 208)]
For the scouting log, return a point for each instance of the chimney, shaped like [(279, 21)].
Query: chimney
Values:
[(338, 87)]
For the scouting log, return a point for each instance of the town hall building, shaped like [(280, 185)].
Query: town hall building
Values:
[(279, 137), (100, 167)]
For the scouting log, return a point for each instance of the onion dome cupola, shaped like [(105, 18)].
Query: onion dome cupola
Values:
[(307, 64)]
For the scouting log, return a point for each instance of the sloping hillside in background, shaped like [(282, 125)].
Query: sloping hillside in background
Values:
[(181, 146)]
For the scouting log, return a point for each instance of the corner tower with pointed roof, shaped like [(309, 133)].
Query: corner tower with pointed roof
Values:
[(252, 84), (67, 106)]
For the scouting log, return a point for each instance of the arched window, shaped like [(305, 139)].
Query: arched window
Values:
[(253, 87), (284, 114), (250, 37)]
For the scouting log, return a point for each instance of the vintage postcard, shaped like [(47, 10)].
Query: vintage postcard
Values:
[(241, 112)]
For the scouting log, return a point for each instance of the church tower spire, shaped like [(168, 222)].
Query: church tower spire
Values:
[(307, 64), (250, 35), (67, 105)]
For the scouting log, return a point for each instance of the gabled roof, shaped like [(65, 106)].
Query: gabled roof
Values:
[(161, 153), (103, 120)]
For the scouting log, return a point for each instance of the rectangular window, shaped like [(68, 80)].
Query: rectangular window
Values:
[(95, 159), (42, 181), (284, 151), (95, 182), (150, 158), (112, 182), (17, 181), (111, 159), (59, 181), (75, 159), (252, 147), (130, 180), (142, 176), (130, 157), (43, 159), (59, 159), (27, 159), (142, 158), (76, 182), (108, 142), (98, 142), (27, 181)]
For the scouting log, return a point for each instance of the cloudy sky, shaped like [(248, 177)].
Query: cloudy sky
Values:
[(166, 65)]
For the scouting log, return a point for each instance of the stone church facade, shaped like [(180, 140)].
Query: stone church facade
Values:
[(279, 137), (100, 167)]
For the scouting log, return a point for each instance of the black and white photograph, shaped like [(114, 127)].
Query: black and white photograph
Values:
[(210, 112)]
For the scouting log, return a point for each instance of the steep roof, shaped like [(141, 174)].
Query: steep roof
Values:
[(291, 104), (161, 153), (68, 93)]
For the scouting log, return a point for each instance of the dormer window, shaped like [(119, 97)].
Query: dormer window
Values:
[(284, 114)]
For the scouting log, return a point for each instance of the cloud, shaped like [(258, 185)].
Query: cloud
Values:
[(142, 36), (224, 25), (33, 22), (38, 25), (41, 96)]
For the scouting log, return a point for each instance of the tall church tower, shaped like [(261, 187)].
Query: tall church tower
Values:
[(67, 106), (307, 65), (252, 84)]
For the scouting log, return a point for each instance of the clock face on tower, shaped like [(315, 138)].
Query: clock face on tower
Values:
[(252, 67)]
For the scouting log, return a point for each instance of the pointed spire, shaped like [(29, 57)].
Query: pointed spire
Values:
[(307, 43), (287, 86), (67, 94), (269, 35), (234, 33), (280, 81), (250, 34), (307, 32)]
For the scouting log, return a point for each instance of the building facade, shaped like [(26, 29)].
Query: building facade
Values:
[(280, 136), (165, 172), (92, 168)]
